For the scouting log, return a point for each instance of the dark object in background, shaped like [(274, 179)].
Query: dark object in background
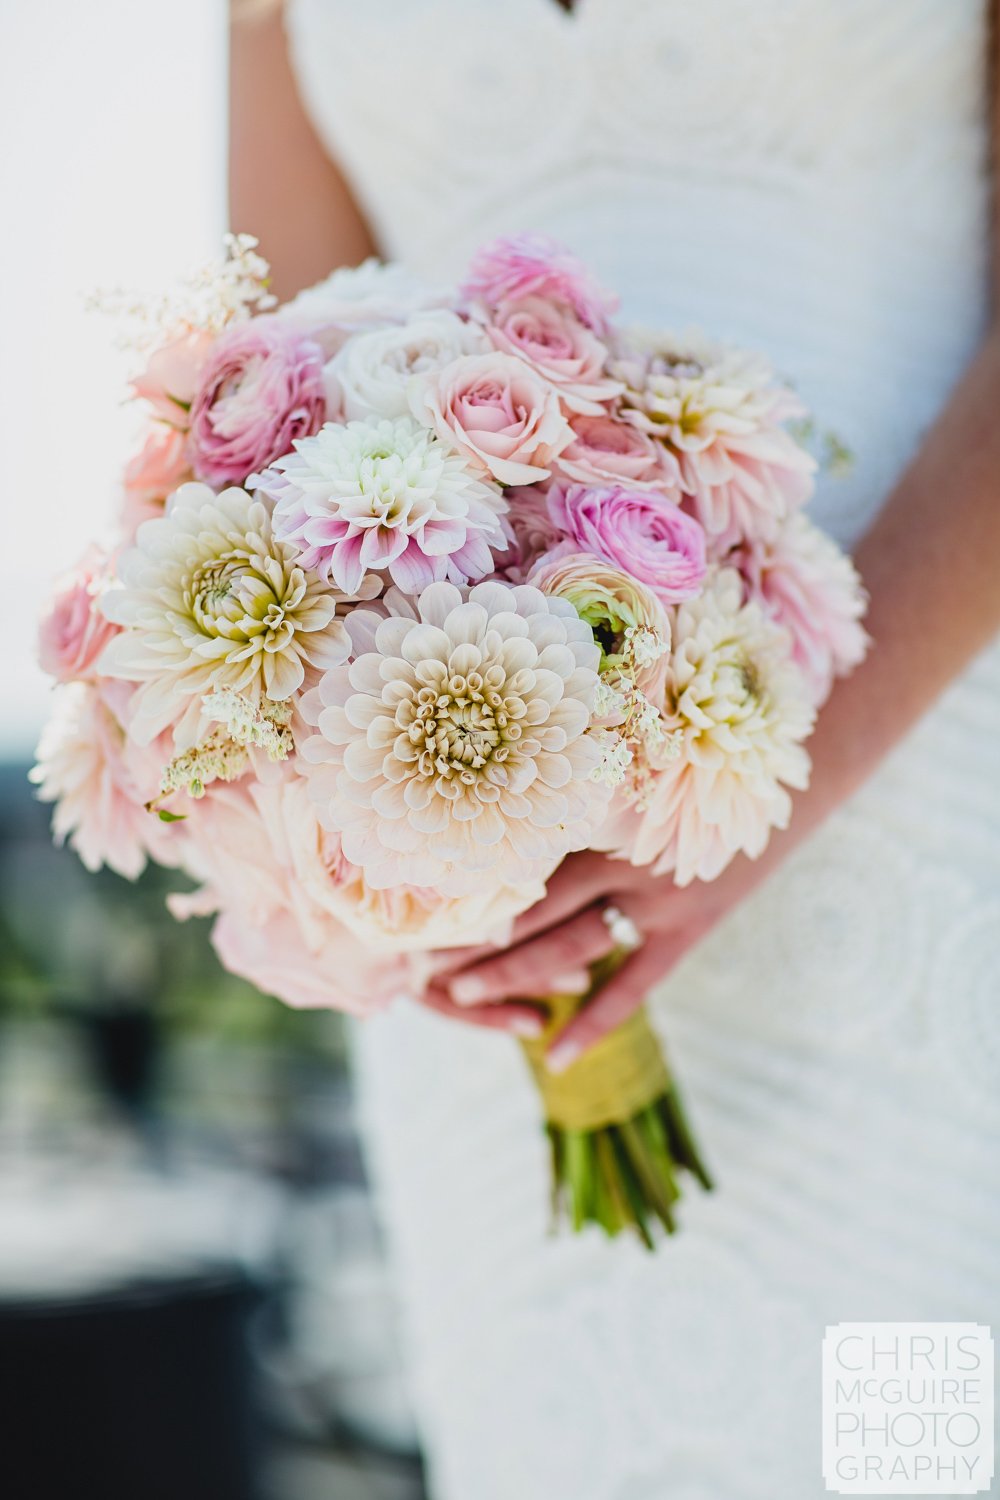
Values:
[(144, 1393)]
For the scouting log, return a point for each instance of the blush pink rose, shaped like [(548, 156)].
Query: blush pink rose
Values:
[(641, 532), (563, 350), (73, 632), (170, 379), (261, 389), (336, 974), (532, 529), (533, 265), (606, 450), (160, 467), (500, 414)]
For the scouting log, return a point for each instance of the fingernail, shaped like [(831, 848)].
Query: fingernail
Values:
[(467, 989), (562, 1055), (528, 1027), (570, 984)]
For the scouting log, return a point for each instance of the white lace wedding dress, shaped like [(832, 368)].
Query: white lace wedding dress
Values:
[(807, 176)]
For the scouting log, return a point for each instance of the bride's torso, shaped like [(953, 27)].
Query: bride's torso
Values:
[(805, 176)]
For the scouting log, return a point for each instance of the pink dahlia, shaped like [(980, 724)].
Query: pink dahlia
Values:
[(641, 532), (719, 413), (383, 495), (533, 265), (100, 780), (261, 388), (805, 582)]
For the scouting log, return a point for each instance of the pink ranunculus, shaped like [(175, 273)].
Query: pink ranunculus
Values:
[(803, 581), (532, 532), (73, 632), (533, 265), (160, 467), (261, 389), (606, 450), (171, 377), (563, 350), (641, 532), (502, 416)]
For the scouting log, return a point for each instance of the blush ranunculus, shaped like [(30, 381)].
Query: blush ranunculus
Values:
[(498, 412), (563, 350), (73, 632), (606, 450), (533, 265), (643, 533), (261, 388)]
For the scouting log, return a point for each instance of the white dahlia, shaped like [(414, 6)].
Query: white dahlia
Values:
[(210, 600), (385, 495), (456, 742), (738, 708), (719, 412)]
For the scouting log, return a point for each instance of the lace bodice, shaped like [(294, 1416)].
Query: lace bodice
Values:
[(808, 177)]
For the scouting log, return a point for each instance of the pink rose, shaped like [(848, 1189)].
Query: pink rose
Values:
[(335, 973), (498, 412), (554, 342), (533, 265), (644, 534), (170, 379), (160, 467), (606, 450), (73, 632), (261, 389), (533, 532)]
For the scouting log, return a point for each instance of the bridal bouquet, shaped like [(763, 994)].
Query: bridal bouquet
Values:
[(413, 593)]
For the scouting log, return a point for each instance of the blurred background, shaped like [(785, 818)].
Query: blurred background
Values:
[(193, 1295)]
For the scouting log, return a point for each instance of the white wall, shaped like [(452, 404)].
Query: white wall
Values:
[(112, 172)]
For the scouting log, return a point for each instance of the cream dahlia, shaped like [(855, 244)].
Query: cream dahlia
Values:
[(719, 412), (738, 708), (456, 740), (211, 600), (387, 496)]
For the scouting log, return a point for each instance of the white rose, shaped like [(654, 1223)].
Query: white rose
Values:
[(370, 374)]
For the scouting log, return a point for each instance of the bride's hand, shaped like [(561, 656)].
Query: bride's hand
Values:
[(553, 943)]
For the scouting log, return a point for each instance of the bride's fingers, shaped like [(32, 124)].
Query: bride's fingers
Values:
[(614, 1004), (519, 1019), (574, 886), (555, 961)]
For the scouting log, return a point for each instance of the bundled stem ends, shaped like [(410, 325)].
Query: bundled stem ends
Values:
[(617, 1129)]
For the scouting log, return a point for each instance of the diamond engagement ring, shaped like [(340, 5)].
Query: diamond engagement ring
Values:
[(624, 931)]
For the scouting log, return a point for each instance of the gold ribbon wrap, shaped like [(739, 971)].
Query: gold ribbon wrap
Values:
[(617, 1078)]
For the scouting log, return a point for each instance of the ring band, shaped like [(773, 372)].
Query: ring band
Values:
[(624, 931)]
